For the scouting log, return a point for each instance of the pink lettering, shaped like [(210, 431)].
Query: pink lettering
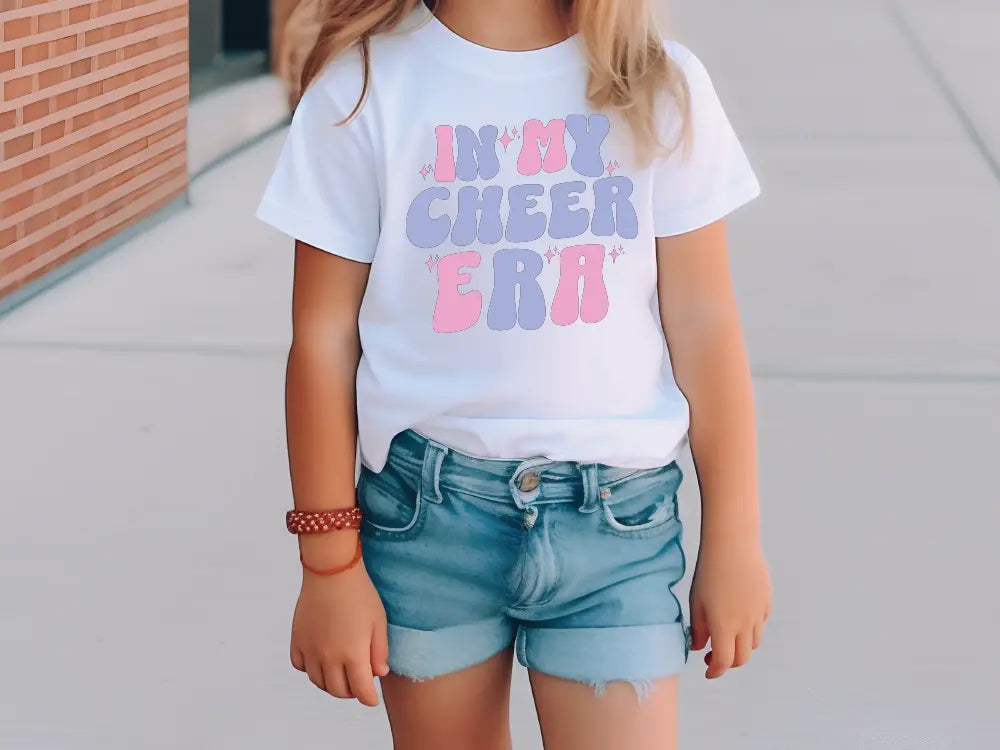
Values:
[(590, 306), (529, 161), (456, 310), (444, 167)]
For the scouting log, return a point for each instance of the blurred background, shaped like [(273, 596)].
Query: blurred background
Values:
[(146, 585)]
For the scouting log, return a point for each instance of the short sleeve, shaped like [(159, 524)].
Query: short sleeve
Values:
[(324, 190), (697, 186)]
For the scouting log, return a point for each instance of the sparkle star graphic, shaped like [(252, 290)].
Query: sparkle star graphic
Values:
[(549, 254), (612, 166), (614, 254), (424, 171), (430, 263), (505, 139)]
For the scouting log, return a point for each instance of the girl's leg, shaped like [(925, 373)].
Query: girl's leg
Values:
[(464, 710), (573, 717)]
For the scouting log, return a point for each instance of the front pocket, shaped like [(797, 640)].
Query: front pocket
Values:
[(640, 514), (646, 507), (389, 508)]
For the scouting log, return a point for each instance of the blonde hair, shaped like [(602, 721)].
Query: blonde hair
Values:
[(629, 66)]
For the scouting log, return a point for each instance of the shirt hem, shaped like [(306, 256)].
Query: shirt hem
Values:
[(294, 224), (684, 221), (652, 442)]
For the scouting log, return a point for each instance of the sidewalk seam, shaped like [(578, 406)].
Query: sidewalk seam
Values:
[(926, 61), (273, 349)]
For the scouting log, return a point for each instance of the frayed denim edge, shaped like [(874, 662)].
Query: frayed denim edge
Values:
[(643, 688)]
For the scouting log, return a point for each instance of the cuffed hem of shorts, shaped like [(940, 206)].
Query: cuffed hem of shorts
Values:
[(423, 654), (637, 654)]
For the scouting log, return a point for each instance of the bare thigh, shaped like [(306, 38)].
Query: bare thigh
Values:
[(572, 717), (464, 710)]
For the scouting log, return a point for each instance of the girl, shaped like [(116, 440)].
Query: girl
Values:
[(505, 213)]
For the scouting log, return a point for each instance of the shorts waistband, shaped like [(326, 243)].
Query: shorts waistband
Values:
[(530, 481)]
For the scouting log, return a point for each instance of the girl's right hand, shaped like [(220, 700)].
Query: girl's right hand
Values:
[(339, 634)]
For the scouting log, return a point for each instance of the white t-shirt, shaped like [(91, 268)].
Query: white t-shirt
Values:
[(511, 308)]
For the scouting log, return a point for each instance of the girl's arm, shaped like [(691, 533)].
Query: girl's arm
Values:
[(339, 627), (730, 595), (320, 396)]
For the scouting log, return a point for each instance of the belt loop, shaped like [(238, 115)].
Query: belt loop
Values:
[(591, 489), (430, 472)]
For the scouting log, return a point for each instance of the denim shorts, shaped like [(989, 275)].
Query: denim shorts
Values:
[(574, 563)]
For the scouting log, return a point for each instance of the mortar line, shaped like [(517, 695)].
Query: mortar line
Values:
[(923, 56)]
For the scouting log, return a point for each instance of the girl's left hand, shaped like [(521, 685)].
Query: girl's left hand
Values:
[(730, 602)]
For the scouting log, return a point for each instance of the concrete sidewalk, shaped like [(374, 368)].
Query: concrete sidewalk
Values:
[(141, 408)]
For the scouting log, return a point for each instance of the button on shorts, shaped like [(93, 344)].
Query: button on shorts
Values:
[(574, 563)]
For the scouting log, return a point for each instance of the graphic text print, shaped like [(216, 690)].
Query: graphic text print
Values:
[(517, 298), (594, 199)]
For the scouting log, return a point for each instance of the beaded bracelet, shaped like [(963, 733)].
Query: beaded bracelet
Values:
[(319, 522)]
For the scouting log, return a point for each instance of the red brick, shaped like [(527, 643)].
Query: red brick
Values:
[(141, 48), (11, 177), (49, 21), (17, 204), (35, 53), (17, 87), (6, 61), (121, 79), (67, 99), (90, 90), (53, 76), (79, 13), (43, 219), (81, 67), (83, 120), (19, 145), (69, 153), (57, 185), (53, 132), (17, 29), (35, 110), (166, 132), (8, 119), (162, 88), (80, 224), (7, 237), (35, 167), (65, 45), (45, 244), (108, 6), (40, 221)]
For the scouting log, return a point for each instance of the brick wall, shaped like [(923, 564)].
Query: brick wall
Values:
[(93, 121)]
